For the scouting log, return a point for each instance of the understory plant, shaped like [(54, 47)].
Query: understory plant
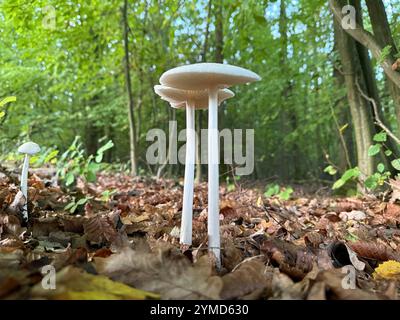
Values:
[(74, 163), (378, 178), (283, 193)]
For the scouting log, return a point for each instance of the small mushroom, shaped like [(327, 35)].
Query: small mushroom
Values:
[(29, 149), (191, 100), (210, 77)]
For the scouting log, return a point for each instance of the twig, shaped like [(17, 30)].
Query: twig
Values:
[(378, 120), (342, 141)]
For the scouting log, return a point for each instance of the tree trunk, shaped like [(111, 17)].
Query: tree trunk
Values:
[(130, 105), (371, 86), (366, 39), (199, 113), (383, 35), (286, 120), (359, 108), (219, 33)]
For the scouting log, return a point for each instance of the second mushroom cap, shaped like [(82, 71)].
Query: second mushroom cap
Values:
[(199, 98)]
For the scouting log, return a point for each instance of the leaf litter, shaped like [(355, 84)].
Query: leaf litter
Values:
[(127, 246)]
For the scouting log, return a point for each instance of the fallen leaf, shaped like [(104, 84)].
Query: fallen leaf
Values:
[(172, 278), (247, 278), (75, 284)]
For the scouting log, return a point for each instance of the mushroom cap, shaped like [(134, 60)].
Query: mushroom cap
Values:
[(178, 97), (30, 148), (200, 76)]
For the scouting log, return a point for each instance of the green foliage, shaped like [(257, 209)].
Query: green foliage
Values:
[(3, 102), (283, 193), (73, 163), (330, 170), (384, 54), (73, 205), (396, 164), (374, 149), (380, 137), (107, 194), (349, 175), (46, 156)]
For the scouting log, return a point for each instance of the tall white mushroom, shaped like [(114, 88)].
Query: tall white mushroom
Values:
[(191, 100), (29, 149), (211, 77)]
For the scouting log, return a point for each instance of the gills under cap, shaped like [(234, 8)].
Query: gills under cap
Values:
[(199, 98)]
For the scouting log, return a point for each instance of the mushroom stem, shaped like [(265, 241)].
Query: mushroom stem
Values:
[(187, 210), (213, 176), (24, 185)]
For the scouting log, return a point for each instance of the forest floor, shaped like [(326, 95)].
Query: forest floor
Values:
[(125, 245)]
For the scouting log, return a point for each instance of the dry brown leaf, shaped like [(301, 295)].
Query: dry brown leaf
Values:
[(375, 251), (293, 260), (159, 272), (247, 278), (100, 230)]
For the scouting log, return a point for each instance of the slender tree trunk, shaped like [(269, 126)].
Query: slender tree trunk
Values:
[(359, 108), (286, 172), (371, 86), (219, 47), (383, 35), (130, 105), (219, 32), (199, 114)]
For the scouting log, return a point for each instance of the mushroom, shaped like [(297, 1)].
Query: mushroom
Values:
[(29, 149), (190, 100), (210, 77)]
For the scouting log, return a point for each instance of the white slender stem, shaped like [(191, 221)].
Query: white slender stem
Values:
[(24, 185), (213, 176), (188, 189)]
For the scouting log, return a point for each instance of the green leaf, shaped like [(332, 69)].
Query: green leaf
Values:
[(388, 153), (374, 149), (384, 54), (99, 158), (51, 156), (371, 182), (396, 164), (107, 146), (69, 205), (2, 114), (82, 201), (344, 127), (69, 179), (7, 100), (285, 194), (272, 189), (381, 167), (351, 173), (91, 176), (338, 184), (330, 170), (380, 137)]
